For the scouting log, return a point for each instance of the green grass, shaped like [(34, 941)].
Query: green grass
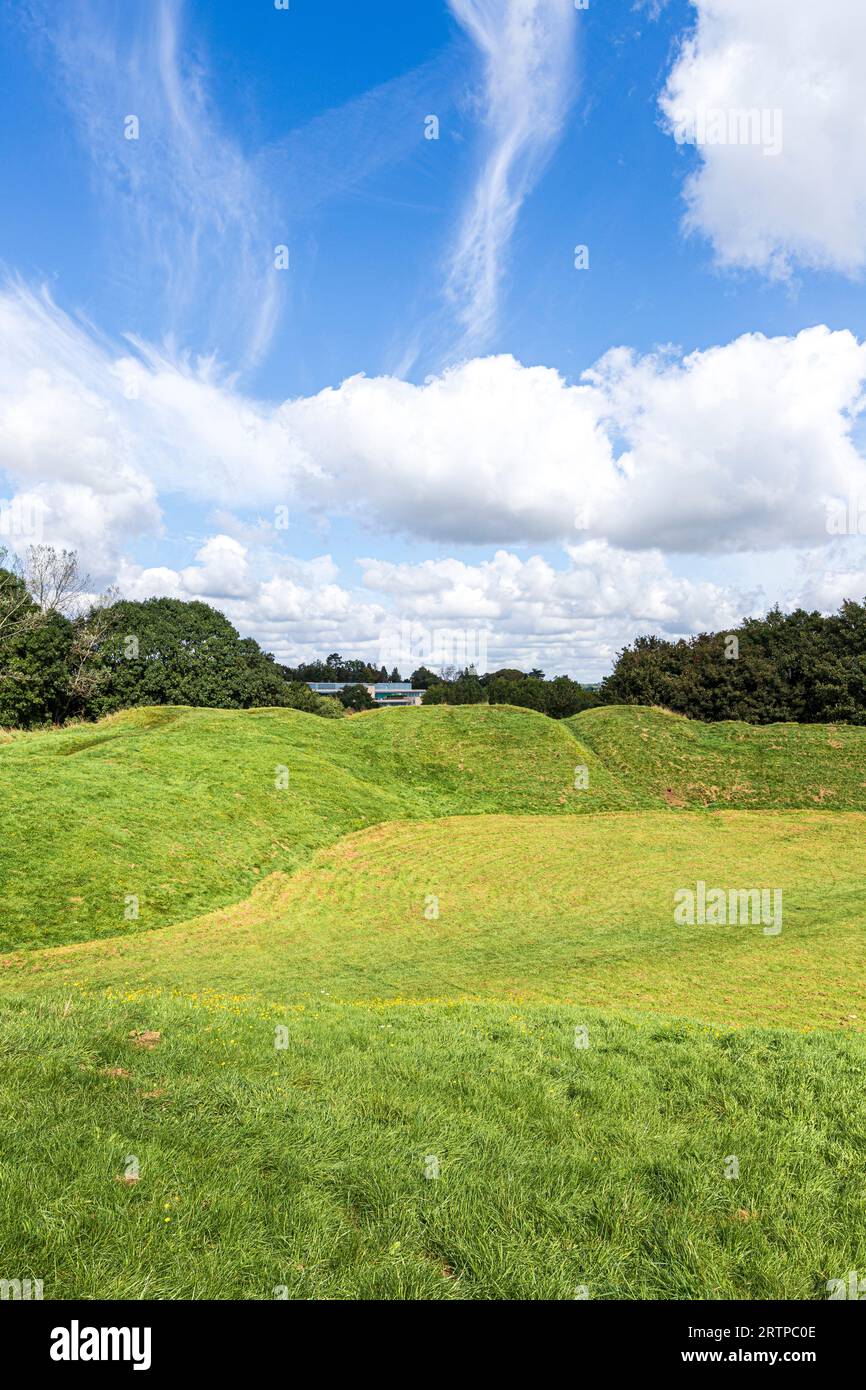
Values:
[(305, 1167), (409, 1036), (658, 756), (179, 808), (530, 907)]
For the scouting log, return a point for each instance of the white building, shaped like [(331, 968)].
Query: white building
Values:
[(383, 692)]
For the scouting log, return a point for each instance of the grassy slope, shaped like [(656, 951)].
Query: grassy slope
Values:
[(179, 806), (543, 908), (304, 1167), (656, 755)]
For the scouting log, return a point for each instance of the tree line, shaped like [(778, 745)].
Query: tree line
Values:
[(64, 655), (559, 698), (801, 667)]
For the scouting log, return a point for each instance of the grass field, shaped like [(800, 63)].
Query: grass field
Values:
[(531, 908), (305, 1167), (422, 1025), (180, 807)]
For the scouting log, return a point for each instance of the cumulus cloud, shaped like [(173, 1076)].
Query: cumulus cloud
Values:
[(488, 452), (65, 441), (527, 47), (732, 448), (523, 612), (98, 434), (825, 578), (294, 608), (223, 570), (806, 204), (572, 617)]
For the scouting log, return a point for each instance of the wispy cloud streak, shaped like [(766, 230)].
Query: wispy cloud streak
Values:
[(528, 49), (183, 203)]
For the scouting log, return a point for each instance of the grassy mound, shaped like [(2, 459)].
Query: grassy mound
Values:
[(339, 1052), (658, 756), (205, 1162), (179, 808)]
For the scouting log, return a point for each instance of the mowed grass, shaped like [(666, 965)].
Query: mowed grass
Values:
[(659, 756), (300, 1171), (531, 908), (180, 808), (383, 972)]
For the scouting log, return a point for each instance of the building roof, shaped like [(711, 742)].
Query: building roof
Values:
[(377, 687)]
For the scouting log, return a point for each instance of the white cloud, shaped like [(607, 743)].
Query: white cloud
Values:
[(601, 581), (528, 51), (825, 578), (571, 619), (807, 204), (294, 608), (736, 447), (65, 440), (733, 448), (99, 434), (182, 202), (223, 571), (564, 620), (488, 452)]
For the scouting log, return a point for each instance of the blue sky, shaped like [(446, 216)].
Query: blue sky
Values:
[(412, 389)]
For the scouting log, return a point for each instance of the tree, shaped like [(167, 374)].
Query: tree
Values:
[(336, 668), (63, 654), (17, 608), (506, 673), (356, 697), (469, 689), (54, 580), (34, 647), (86, 673), (523, 691), (466, 689), (786, 666), (423, 678), (566, 697), (298, 695), (46, 659), (164, 651)]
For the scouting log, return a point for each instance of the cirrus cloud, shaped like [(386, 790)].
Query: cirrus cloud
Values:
[(528, 51)]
